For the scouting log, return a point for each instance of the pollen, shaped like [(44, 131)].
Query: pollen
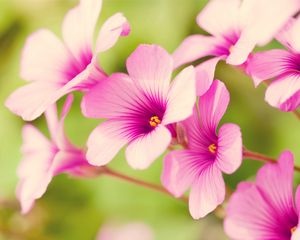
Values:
[(212, 148), (293, 229), (154, 121)]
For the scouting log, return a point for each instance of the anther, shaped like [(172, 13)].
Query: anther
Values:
[(154, 121), (212, 148), (293, 229)]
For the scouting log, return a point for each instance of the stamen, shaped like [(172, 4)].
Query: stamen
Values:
[(154, 121), (293, 229), (212, 148)]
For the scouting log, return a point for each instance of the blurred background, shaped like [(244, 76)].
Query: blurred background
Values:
[(77, 208)]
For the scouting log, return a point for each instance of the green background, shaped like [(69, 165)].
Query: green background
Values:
[(76, 208)]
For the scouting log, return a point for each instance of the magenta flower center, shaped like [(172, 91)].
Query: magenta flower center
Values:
[(76, 66), (154, 121), (293, 63), (227, 43), (212, 148), (144, 115)]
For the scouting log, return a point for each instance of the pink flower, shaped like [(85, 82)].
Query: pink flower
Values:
[(208, 154), (283, 66), (131, 231), (55, 68), (139, 108), (43, 158), (236, 26), (265, 209)]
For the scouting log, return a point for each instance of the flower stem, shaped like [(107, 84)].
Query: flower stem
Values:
[(261, 157), (9, 204), (152, 186)]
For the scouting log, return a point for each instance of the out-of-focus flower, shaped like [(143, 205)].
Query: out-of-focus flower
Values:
[(208, 154), (283, 66), (139, 108), (43, 158), (236, 27), (55, 68), (131, 231), (266, 209)]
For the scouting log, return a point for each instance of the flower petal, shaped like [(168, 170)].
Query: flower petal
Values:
[(207, 192), (276, 182), (255, 18), (52, 120), (68, 161), (67, 107), (220, 17), (213, 104), (257, 26), (296, 234), (240, 52), (297, 199), (31, 100), (34, 170), (60, 138), (289, 35), (230, 148), (179, 170), (142, 151), (105, 100), (30, 189), (192, 48), (284, 93), (269, 64), (205, 73), (44, 58), (249, 216), (198, 139), (181, 96), (295, 39), (79, 26), (114, 27), (34, 142), (105, 142), (55, 126), (150, 67), (265, 210)]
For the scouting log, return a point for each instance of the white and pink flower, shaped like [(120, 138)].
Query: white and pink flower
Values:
[(55, 68), (139, 107)]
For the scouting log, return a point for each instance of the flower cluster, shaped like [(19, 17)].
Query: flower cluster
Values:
[(149, 113)]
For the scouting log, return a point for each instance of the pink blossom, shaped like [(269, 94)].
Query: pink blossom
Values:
[(131, 231), (55, 68), (43, 158), (266, 209), (236, 26), (208, 154), (139, 108), (282, 66)]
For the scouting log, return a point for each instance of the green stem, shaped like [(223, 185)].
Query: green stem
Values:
[(297, 114), (152, 186), (261, 157)]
